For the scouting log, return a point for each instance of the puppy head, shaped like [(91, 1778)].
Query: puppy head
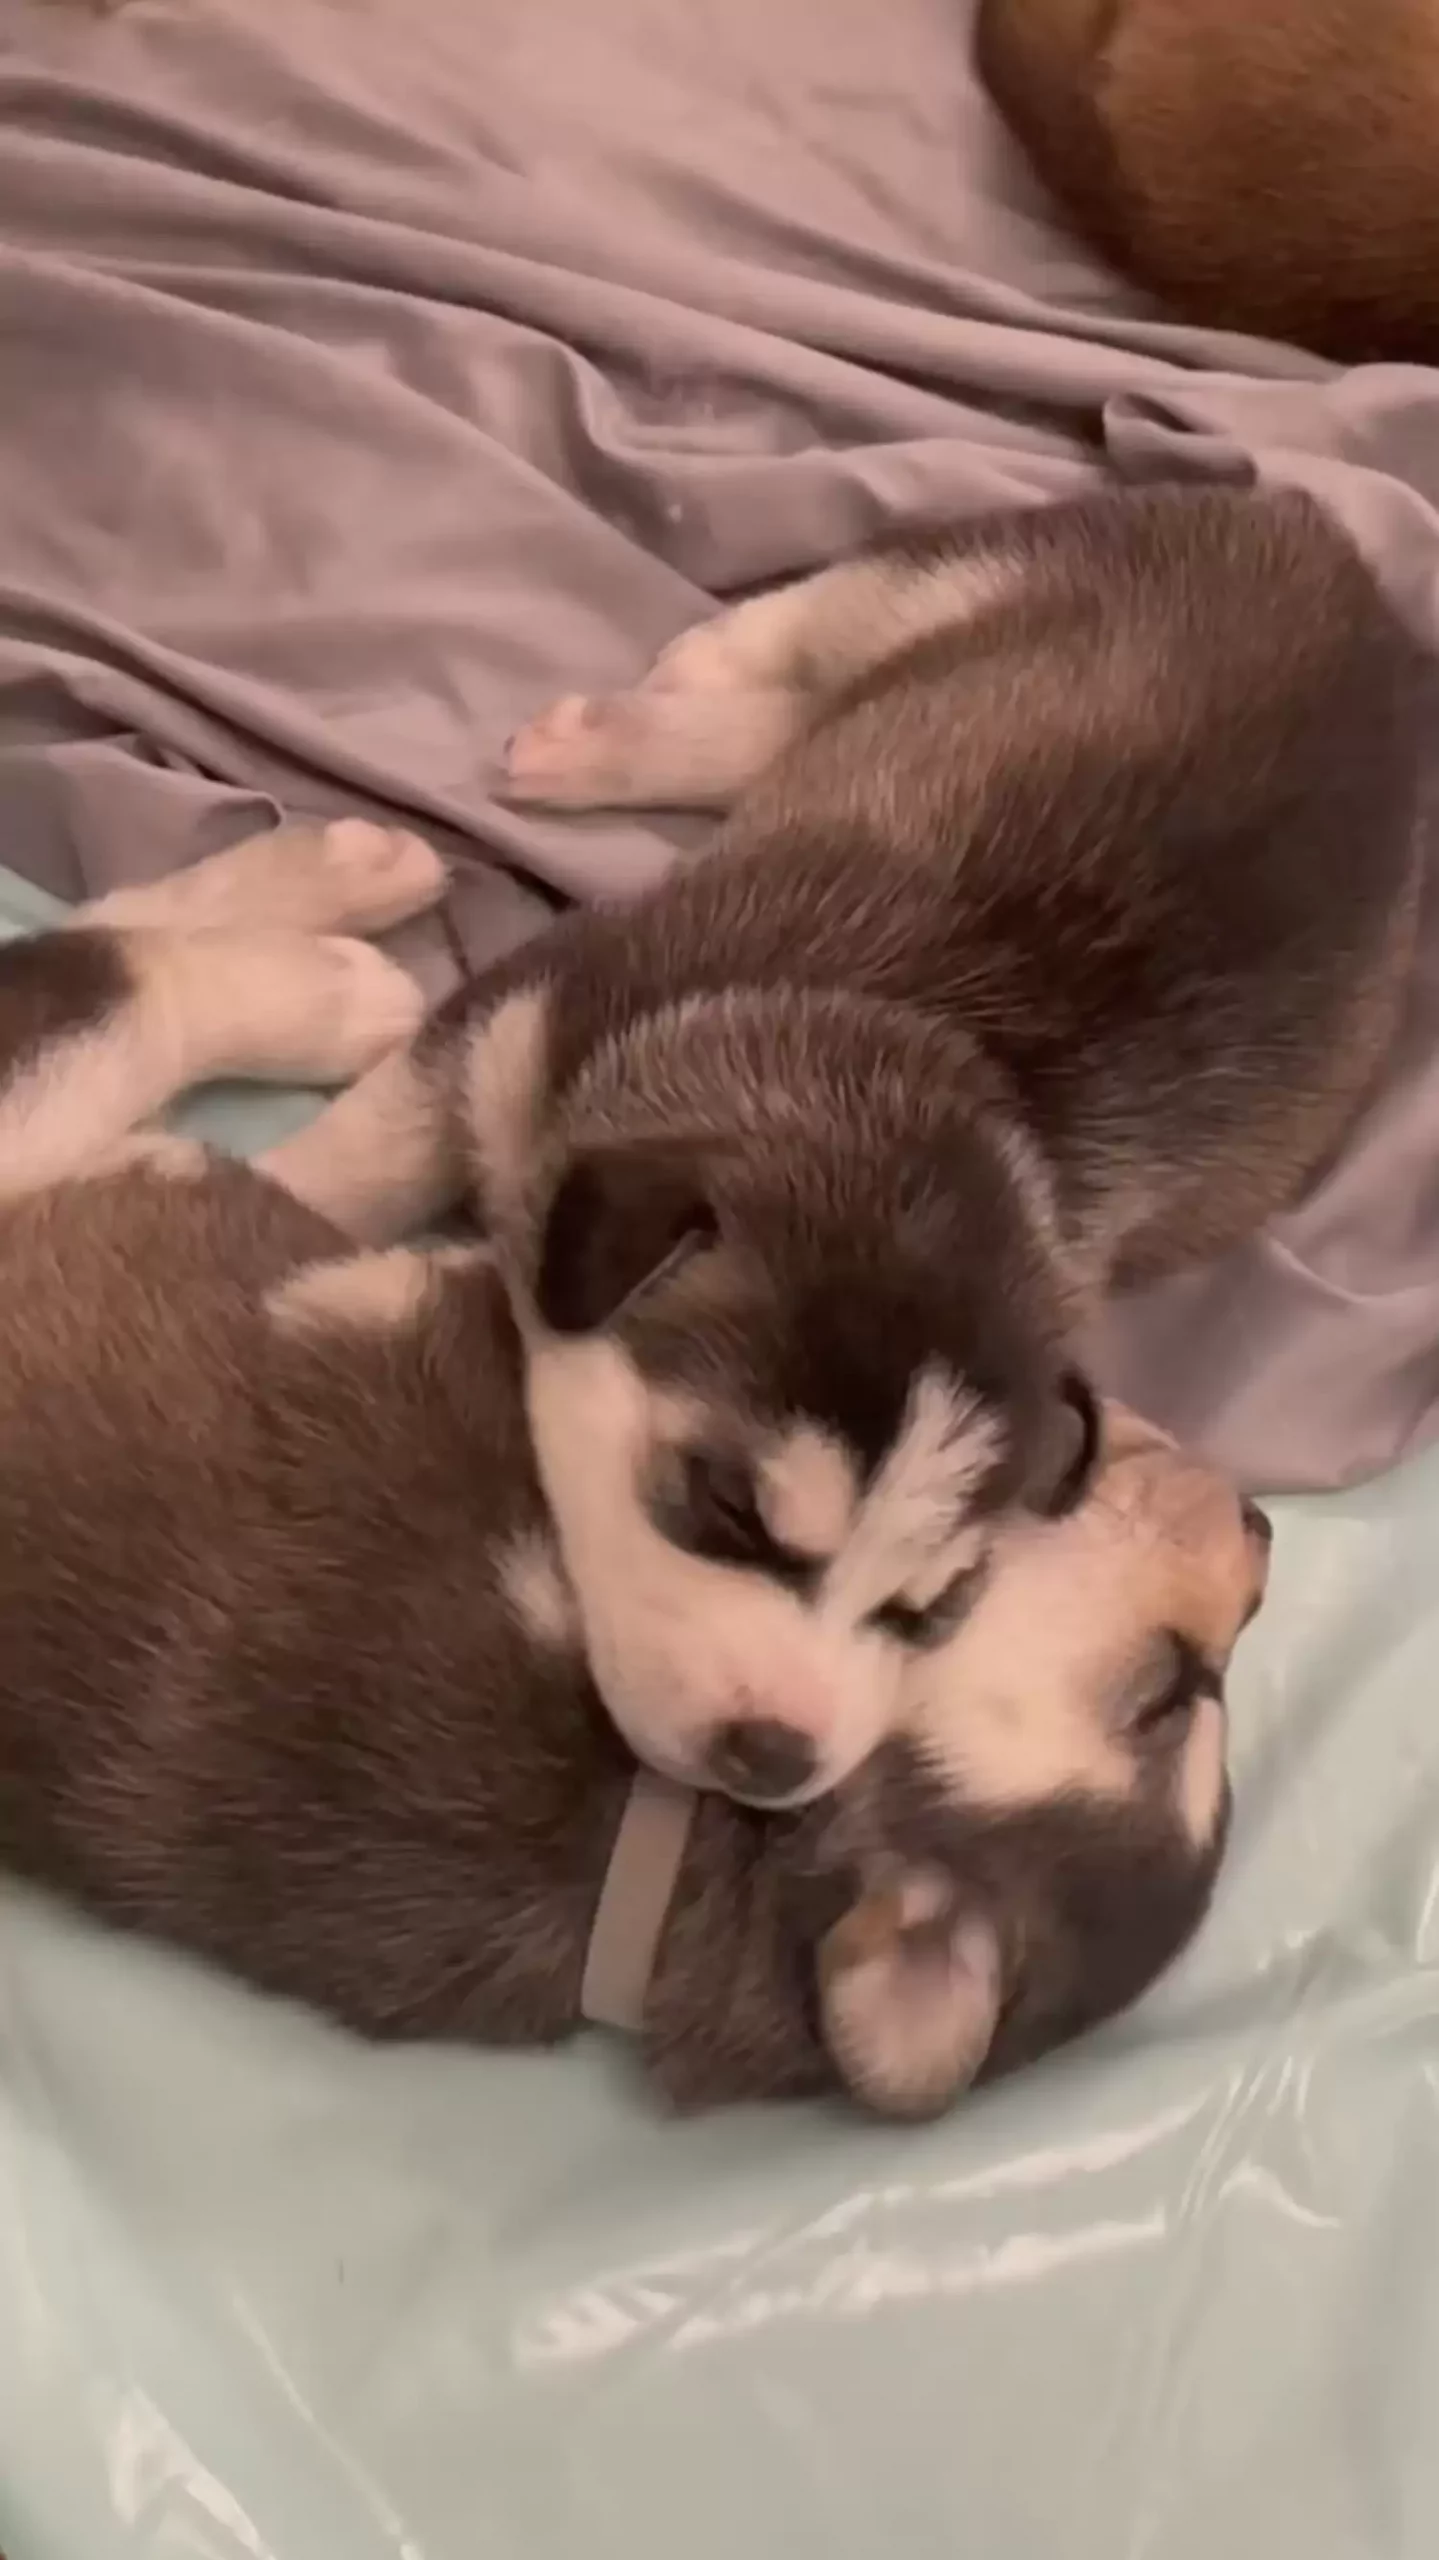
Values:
[(785, 1373), (1051, 1823), (1035, 1843)]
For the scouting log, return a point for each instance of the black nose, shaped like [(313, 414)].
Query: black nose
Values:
[(760, 1759), (1258, 1524)]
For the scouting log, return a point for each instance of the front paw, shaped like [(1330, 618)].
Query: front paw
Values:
[(366, 878), (334, 1007)]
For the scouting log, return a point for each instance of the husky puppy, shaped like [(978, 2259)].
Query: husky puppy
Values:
[(1268, 168), (1051, 942), (293, 1675)]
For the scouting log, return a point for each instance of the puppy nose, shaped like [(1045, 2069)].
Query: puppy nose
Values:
[(1258, 1524), (760, 1760)]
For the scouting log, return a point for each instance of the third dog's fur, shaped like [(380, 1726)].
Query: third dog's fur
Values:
[(292, 1673), (1264, 165)]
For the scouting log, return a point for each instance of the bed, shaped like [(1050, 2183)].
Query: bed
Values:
[(371, 370)]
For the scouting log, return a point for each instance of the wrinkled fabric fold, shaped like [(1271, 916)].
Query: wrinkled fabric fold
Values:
[(371, 371)]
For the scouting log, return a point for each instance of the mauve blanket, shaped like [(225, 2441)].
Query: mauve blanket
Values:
[(371, 369)]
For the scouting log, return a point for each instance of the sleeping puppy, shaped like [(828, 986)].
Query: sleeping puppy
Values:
[(293, 1677), (1269, 168), (1054, 936)]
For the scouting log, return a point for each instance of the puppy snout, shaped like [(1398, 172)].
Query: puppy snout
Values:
[(760, 1760), (1259, 1533), (1258, 1525)]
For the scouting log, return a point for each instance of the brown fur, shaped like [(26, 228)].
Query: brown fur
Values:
[(1105, 834), (268, 1696), (1268, 168)]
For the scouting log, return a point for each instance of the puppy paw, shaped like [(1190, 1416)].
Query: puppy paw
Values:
[(371, 1005), (650, 750), (347, 876), (368, 877), (324, 1011), (582, 753), (284, 1006)]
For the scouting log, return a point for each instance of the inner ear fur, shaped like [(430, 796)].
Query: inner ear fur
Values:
[(910, 1992), (1075, 1445), (617, 1216)]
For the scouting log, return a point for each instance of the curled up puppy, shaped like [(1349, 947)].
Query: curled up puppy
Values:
[(294, 1679), (1050, 941), (1265, 168)]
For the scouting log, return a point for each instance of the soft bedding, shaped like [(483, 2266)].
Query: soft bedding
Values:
[(371, 369)]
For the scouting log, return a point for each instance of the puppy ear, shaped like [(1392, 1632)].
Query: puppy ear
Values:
[(910, 1985), (1076, 1441), (1128, 1434), (619, 1215)]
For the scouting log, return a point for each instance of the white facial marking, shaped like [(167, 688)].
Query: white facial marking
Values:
[(1019, 1707), (1025, 1704), (535, 1587), (1029, 1698), (911, 1536), (367, 1292), (1202, 1772), (679, 1645), (503, 1088), (808, 1490)]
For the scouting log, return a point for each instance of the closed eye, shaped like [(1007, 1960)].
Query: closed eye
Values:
[(1187, 1678), (923, 1628), (716, 1515)]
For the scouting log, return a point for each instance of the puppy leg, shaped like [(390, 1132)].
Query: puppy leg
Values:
[(824, 632), (721, 702), (347, 877), (798, 639), (100, 1029), (453, 1114), (649, 750), (393, 1291), (385, 1157), (269, 1007), (716, 707)]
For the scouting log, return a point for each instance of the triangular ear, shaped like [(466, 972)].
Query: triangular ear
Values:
[(617, 1217), (910, 1986)]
